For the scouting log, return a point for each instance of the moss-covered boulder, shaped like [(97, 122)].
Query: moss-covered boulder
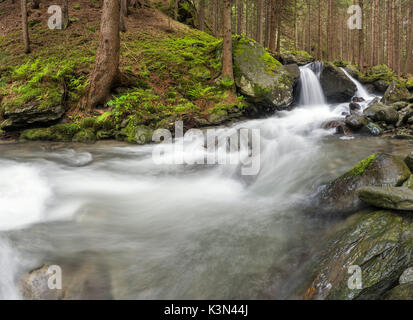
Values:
[(339, 196), (85, 136), (381, 112), (336, 85), (259, 77), (31, 115), (380, 243), (396, 92), (59, 132), (300, 58), (401, 292), (396, 198)]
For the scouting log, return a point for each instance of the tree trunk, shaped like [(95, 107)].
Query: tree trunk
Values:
[(361, 40), (240, 9), (65, 14), (36, 4), (409, 56), (123, 15), (227, 68), (259, 21), (26, 40), (106, 71), (201, 15), (320, 46)]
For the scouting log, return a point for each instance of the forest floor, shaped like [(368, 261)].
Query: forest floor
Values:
[(172, 66)]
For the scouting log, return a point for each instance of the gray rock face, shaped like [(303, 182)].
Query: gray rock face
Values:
[(294, 72), (377, 242), (396, 92), (381, 85), (88, 280), (407, 276), (387, 197), (401, 292), (356, 122), (339, 196), (30, 115), (381, 112), (261, 78), (336, 85)]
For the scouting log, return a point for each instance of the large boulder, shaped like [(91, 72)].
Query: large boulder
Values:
[(381, 112), (261, 78), (379, 243), (30, 115), (339, 196), (397, 198), (336, 85), (396, 92), (300, 58), (356, 122)]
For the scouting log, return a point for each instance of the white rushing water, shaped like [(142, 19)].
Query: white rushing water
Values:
[(170, 231), (361, 91)]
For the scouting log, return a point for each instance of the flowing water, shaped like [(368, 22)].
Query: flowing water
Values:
[(176, 231)]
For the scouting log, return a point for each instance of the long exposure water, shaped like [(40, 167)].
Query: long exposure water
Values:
[(176, 231)]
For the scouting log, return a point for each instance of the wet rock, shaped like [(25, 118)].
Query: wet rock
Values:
[(300, 58), (387, 197), (294, 72), (82, 281), (357, 99), (340, 126), (381, 112), (355, 107), (85, 136), (356, 122), (399, 105), (408, 183), (381, 85), (409, 161), (396, 92), (336, 85), (378, 242), (401, 292), (353, 70), (372, 129), (407, 276), (339, 196), (31, 115), (261, 78)]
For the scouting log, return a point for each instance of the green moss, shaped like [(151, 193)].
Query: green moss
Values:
[(361, 167), (60, 132), (88, 123), (85, 136)]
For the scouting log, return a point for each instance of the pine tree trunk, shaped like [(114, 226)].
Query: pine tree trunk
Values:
[(227, 68), (106, 70), (361, 40), (409, 56), (240, 14), (295, 26), (259, 21), (201, 15), (65, 14), (26, 40), (123, 15), (247, 12)]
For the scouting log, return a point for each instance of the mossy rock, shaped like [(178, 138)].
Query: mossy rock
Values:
[(401, 292), (339, 196), (259, 77), (300, 57), (60, 132), (85, 136), (396, 92), (138, 134), (380, 112), (379, 242)]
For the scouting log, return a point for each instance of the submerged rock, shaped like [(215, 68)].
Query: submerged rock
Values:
[(401, 292), (381, 112), (387, 197), (339, 196), (379, 243), (31, 115), (336, 85), (261, 78), (396, 92), (356, 122)]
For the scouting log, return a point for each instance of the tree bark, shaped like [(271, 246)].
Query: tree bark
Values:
[(106, 70), (26, 40), (259, 21), (123, 15), (201, 15), (65, 14), (361, 40), (36, 4), (227, 68)]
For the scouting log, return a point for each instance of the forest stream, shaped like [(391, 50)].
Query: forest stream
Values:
[(178, 231)]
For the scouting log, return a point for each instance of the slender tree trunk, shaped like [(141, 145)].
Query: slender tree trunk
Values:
[(106, 70), (259, 21), (227, 68), (36, 4), (309, 42), (247, 12), (216, 17), (240, 14), (320, 46), (26, 40), (272, 28), (409, 56), (201, 15), (123, 15), (65, 14), (361, 39), (295, 26), (279, 25)]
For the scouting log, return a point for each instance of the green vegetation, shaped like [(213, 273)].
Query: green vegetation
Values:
[(361, 167)]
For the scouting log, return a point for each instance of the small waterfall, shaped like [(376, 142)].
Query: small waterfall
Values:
[(361, 91), (311, 92)]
